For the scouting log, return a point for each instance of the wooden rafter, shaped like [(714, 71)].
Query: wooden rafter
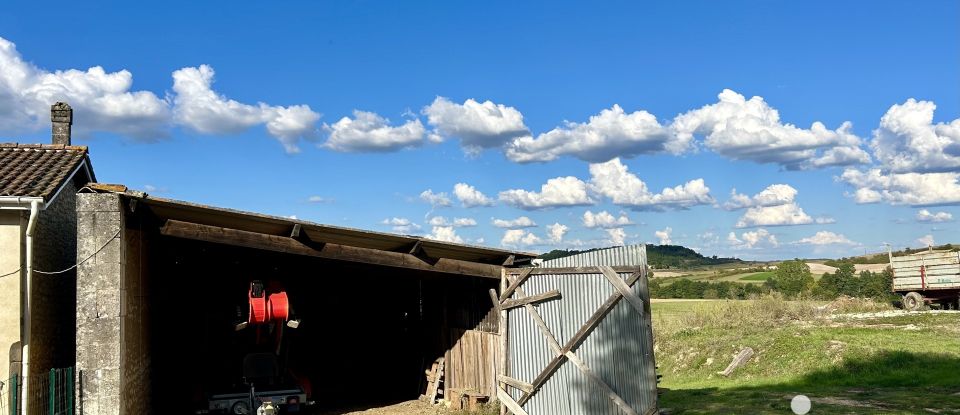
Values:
[(539, 298), (522, 276)]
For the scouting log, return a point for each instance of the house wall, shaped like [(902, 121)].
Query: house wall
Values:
[(11, 238)]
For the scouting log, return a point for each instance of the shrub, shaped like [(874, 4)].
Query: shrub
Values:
[(792, 278)]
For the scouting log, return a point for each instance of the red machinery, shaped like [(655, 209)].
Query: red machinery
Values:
[(269, 312)]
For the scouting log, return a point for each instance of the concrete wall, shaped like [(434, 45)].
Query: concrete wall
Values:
[(112, 339), (11, 239)]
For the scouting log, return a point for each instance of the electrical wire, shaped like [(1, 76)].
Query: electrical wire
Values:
[(11, 273), (84, 260)]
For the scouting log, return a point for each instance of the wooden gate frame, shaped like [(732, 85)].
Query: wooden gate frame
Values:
[(510, 286)]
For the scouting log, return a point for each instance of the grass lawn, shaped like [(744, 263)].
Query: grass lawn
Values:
[(901, 364)]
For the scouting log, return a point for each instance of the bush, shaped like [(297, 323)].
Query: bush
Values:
[(844, 282), (684, 288), (791, 278)]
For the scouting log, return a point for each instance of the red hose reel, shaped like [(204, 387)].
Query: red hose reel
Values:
[(265, 308)]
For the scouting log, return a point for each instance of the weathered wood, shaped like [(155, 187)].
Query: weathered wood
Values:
[(496, 301), (509, 261), (581, 334), (623, 289), (504, 329), (542, 325), (517, 383), (623, 405), (295, 231), (511, 404), (216, 234), (522, 276), (435, 383), (539, 298), (740, 360), (568, 270)]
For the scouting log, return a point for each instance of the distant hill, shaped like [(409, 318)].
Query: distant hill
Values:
[(658, 256)]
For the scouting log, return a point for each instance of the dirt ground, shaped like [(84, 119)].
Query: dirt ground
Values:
[(402, 408), (822, 269)]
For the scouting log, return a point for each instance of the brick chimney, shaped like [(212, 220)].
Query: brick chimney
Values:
[(61, 116)]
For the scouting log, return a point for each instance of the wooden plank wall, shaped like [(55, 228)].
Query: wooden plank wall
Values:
[(472, 361)]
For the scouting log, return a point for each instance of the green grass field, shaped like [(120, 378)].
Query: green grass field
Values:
[(902, 364), (759, 276)]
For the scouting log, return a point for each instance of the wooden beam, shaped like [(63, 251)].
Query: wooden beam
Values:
[(517, 383), (567, 270), (295, 232), (624, 406), (507, 401), (509, 261), (520, 302), (416, 248), (583, 332), (623, 289), (234, 237), (522, 276), (496, 301)]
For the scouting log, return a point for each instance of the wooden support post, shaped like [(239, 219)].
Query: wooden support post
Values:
[(517, 383), (507, 291), (504, 331), (623, 289), (624, 406), (508, 402), (520, 302)]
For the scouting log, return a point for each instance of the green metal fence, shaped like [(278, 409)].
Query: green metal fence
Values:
[(9, 395), (50, 394)]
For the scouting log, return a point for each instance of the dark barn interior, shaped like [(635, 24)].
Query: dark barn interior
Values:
[(367, 332)]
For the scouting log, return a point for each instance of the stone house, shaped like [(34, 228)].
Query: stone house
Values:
[(38, 252)]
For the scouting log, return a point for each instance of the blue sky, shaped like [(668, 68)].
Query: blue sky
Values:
[(242, 105)]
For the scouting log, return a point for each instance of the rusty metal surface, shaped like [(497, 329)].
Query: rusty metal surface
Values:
[(619, 350)]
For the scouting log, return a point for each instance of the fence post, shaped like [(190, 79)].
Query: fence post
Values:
[(14, 394), (69, 391)]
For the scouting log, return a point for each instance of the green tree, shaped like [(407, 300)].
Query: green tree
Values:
[(792, 278)]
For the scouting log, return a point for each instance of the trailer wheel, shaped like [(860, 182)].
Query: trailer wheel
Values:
[(913, 301)]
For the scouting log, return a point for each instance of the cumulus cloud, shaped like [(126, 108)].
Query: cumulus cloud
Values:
[(773, 195), (469, 196), (926, 240), (198, 107), (435, 199), (926, 216), (604, 219), (914, 189), (456, 222), (401, 225), (319, 199), (826, 238), (103, 100), (521, 222), (782, 215), (369, 132), (908, 141), (743, 129), (557, 192), (760, 238), (614, 180), (556, 232), (617, 236), (664, 236), (611, 133), (519, 238), (477, 125), (444, 234)]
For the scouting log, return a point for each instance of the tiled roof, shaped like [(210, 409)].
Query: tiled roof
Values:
[(37, 170)]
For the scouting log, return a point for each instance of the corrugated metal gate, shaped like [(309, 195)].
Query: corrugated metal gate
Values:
[(579, 337)]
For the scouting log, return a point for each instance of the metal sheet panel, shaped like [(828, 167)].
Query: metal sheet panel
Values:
[(619, 350), (926, 270)]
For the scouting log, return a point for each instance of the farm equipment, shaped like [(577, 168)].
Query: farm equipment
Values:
[(266, 385), (927, 277)]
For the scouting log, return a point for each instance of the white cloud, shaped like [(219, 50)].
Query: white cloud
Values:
[(664, 236), (445, 234), (826, 238), (435, 199), (773, 195), (914, 189), (708, 239), (198, 107), (759, 238), (401, 225), (617, 236), (104, 100), (908, 141), (559, 191), (369, 132), (319, 199), (556, 232), (604, 219), (456, 223), (782, 215), (926, 240), (613, 180), (824, 220), (469, 196), (611, 133), (743, 129), (521, 222), (519, 238), (926, 216), (477, 125)]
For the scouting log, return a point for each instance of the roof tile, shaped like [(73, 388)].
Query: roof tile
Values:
[(37, 170)]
